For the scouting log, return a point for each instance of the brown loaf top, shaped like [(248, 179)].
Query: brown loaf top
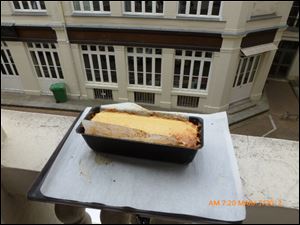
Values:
[(185, 132)]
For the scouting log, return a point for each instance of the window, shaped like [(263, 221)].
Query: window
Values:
[(293, 20), (199, 8), (141, 97), (187, 101), (99, 63), (192, 69), (91, 6), (8, 66), (283, 59), (246, 70), (29, 6), (144, 7), (103, 94), (144, 66), (45, 60)]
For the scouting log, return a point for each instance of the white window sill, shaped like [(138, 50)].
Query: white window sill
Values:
[(144, 89), (138, 15), (83, 14), (200, 18), (30, 13), (189, 92), (113, 86)]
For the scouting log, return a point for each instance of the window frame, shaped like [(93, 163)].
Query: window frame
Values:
[(92, 12), (11, 63), (143, 13), (57, 68), (143, 55), (192, 58), (99, 53), (198, 15), (30, 10)]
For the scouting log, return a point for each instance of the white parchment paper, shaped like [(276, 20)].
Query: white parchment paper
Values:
[(80, 174)]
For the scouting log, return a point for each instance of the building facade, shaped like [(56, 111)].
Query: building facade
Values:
[(199, 56)]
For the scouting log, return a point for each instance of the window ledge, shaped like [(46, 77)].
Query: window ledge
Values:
[(148, 89), (89, 14), (38, 13), (102, 85), (188, 92), (206, 19), (145, 16), (263, 17)]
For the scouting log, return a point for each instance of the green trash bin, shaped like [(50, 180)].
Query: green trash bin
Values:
[(59, 91)]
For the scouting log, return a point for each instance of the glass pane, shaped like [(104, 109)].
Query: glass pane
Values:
[(83, 47), (139, 50), (176, 81), (46, 72), (96, 5), (157, 79), (138, 6), (106, 6), (33, 56), (187, 66), (49, 59), (56, 59), (86, 5), (149, 79), (140, 64), (95, 61), (38, 71), (204, 8), (127, 6), (3, 57), (42, 59), (76, 5), (42, 3), (15, 69), (206, 67), (130, 63), (177, 66), (158, 51), (243, 66), (140, 78), (105, 75), (10, 72), (148, 6), (181, 8), (16, 5), (103, 62), (101, 48), (131, 78), (216, 8), (86, 61), (196, 68), (246, 77), (203, 83), (129, 49), (194, 82), (188, 53), (34, 5), (112, 62), (288, 58), (110, 48), (193, 7), (60, 73), (159, 6), (113, 76), (38, 45), (208, 54), (89, 75), (25, 4), (148, 65), (97, 75), (185, 82), (148, 50), (53, 72), (178, 52), (93, 48), (198, 54), (157, 65), (250, 64)]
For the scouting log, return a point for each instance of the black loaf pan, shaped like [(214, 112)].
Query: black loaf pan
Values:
[(139, 149)]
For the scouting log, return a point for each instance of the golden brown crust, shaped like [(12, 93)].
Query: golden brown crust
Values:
[(155, 127)]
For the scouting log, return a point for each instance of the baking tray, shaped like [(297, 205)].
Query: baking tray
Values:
[(140, 149)]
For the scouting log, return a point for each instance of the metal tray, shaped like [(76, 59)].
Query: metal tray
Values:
[(139, 149)]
